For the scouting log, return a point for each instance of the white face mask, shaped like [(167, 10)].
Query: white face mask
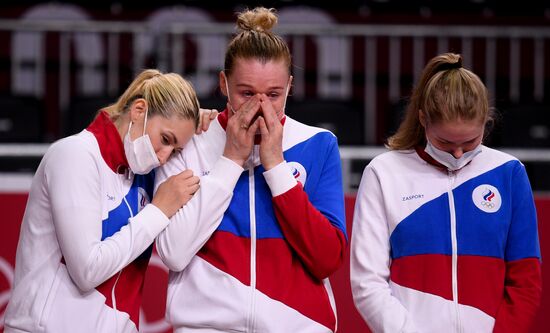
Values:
[(452, 163), (140, 153)]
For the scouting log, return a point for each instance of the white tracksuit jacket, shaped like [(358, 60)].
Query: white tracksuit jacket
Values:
[(440, 251), (87, 234), (265, 267)]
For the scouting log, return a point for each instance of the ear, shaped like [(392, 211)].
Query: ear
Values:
[(290, 79), (138, 110), (422, 118), (223, 83)]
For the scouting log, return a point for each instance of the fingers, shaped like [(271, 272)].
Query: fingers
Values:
[(251, 131), (263, 127), (205, 118), (185, 174), (248, 111), (269, 112), (208, 119)]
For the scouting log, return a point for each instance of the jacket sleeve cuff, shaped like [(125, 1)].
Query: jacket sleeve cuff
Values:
[(226, 173), (152, 219), (280, 179)]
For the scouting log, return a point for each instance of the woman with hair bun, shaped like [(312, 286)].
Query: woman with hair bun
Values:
[(265, 267), (445, 229)]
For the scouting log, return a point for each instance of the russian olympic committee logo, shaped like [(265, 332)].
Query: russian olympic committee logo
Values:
[(299, 172), (143, 198), (487, 198)]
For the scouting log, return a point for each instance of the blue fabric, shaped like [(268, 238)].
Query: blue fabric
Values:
[(320, 157), (506, 234)]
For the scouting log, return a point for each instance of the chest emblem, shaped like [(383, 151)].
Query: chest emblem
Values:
[(143, 198), (487, 198), (299, 172)]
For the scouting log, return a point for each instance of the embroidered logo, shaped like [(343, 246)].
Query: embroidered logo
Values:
[(298, 171), (143, 198), (487, 198), (412, 197)]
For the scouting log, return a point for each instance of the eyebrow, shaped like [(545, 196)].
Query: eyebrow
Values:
[(248, 86), (172, 136), (467, 141)]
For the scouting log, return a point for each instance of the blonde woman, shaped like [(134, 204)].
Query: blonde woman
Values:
[(444, 228), (91, 217)]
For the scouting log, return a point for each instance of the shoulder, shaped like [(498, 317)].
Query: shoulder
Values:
[(491, 159), (296, 132), (73, 150), (393, 157)]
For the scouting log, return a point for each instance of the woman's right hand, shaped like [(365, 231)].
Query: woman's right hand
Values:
[(175, 192), (240, 132)]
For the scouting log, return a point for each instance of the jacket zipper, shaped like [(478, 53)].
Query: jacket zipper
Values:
[(454, 245), (113, 295), (252, 211)]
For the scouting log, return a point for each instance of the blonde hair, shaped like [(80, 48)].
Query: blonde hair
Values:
[(445, 92), (166, 95), (254, 39)]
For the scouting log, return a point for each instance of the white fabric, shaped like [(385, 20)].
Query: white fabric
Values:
[(191, 278), (206, 285), (279, 179), (193, 225), (377, 214), (72, 192)]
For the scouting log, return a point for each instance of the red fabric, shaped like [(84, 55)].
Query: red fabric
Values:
[(319, 244), (481, 282), (522, 296), (128, 290), (110, 143), (229, 253), (281, 281), (349, 320), (279, 273), (424, 273), (428, 158)]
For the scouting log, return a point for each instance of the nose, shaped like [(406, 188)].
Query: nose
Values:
[(164, 154), (457, 152)]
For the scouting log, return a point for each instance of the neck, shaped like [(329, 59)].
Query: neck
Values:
[(121, 125)]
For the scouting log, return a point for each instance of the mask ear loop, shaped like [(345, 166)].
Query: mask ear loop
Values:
[(145, 121), (286, 93), (227, 90)]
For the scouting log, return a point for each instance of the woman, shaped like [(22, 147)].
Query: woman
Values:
[(265, 265), (91, 216), (444, 230)]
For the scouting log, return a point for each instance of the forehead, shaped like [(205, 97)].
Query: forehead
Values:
[(182, 128), (253, 72), (456, 130)]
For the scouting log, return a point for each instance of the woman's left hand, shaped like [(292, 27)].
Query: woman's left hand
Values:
[(205, 118), (271, 130)]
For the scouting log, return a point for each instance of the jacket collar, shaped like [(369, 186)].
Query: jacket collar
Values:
[(109, 141)]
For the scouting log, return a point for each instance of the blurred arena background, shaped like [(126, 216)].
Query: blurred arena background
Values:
[(354, 64)]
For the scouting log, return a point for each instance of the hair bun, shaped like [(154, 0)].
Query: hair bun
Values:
[(454, 61), (259, 19)]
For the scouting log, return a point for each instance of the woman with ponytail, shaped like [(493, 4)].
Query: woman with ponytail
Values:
[(444, 228), (91, 216)]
